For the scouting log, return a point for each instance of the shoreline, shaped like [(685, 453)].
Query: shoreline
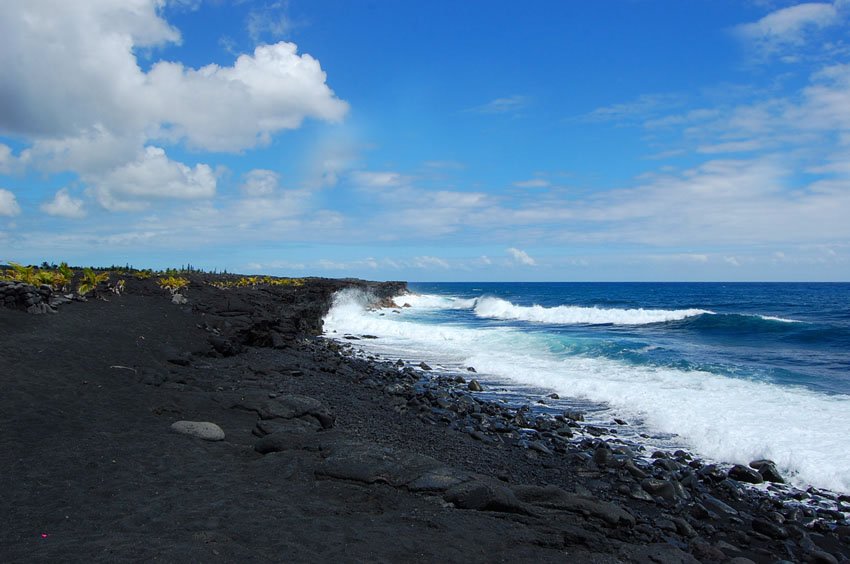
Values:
[(360, 448)]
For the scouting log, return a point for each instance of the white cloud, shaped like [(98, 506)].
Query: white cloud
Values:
[(521, 257), (260, 182), (151, 176), (63, 205), (268, 21), (787, 28), (73, 86), (640, 108), (387, 179), (732, 260), (510, 104), (533, 183), (8, 204)]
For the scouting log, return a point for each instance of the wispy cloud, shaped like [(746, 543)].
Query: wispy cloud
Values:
[(511, 104), (782, 32), (635, 111), (269, 21), (533, 183)]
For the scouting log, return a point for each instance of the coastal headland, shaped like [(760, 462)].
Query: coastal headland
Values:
[(213, 422)]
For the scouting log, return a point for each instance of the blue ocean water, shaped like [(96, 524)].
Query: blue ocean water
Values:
[(733, 371)]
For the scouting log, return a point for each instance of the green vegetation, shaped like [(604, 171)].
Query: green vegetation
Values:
[(173, 283), (90, 281), (256, 282)]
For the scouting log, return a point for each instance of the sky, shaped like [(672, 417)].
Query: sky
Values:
[(484, 140)]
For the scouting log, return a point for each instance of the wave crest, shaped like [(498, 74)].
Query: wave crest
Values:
[(496, 308)]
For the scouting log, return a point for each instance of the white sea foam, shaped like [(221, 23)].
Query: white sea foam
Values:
[(779, 319), (433, 301), (496, 308), (719, 417)]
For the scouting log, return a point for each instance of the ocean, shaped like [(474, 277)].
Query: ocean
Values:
[(730, 371)]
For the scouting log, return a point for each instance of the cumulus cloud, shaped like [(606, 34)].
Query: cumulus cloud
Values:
[(233, 108), (260, 182), (73, 87), (521, 257), (8, 204), (151, 176), (64, 205), (788, 28)]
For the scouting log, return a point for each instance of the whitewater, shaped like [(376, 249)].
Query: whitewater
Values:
[(725, 377)]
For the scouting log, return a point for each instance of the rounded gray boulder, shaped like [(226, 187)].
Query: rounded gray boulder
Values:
[(200, 429)]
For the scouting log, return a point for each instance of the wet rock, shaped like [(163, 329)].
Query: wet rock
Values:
[(424, 366), (712, 473), (744, 474), (683, 527), (596, 431), (540, 447), (767, 470), (772, 530), (474, 386), (603, 455), (200, 429), (637, 492), (632, 469), (715, 505), (574, 415), (659, 488), (553, 396), (821, 557)]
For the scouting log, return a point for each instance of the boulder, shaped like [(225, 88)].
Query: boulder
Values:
[(743, 474), (199, 429)]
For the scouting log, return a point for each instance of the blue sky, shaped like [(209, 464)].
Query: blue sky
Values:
[(610, 140)]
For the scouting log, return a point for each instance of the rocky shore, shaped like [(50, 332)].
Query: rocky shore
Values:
[(224, 428)]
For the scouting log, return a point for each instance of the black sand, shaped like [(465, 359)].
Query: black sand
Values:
[(91, 471)]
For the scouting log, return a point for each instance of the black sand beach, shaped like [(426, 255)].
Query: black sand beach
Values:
[(328, 457)]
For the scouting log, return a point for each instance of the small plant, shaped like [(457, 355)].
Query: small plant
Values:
[(118, 287), (25, 274), (45, 277), (143, 274), (173, 283), (62, 277), (90, 281)]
